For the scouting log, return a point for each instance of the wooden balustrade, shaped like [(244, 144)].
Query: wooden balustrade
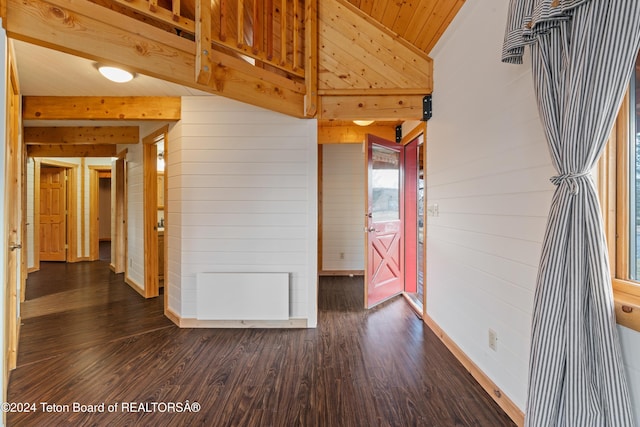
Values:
[(270, 32)]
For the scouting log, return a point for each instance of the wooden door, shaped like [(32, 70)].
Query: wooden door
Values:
[(53, 204), (384, 272), (13, 215)]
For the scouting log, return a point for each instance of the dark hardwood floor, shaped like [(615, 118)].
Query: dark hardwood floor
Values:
[(88, 339)]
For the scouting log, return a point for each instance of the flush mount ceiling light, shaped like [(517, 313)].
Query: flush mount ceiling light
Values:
[(115, 74), (363, 122)]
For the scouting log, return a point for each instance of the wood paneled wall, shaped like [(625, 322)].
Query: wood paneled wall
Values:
[(365, 71)]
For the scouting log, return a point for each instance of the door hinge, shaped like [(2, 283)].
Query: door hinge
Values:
[(66, 246), (427, 108)]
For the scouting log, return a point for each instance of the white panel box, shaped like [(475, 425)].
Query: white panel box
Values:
[(242, 296)]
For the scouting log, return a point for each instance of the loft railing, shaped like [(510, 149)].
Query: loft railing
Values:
[(270, 32)]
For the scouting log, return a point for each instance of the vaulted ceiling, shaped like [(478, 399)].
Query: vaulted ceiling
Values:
[(420, 22)]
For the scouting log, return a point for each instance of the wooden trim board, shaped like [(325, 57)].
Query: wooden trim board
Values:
[(489, 386), (136, 287)]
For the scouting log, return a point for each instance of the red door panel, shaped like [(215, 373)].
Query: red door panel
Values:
[(384, 275)]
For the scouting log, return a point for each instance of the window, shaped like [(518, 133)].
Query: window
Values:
[(619, 187)]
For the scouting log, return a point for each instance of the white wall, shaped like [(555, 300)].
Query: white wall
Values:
[(135, 216), (242, 198), (343, 207), (630, 341), (30, 171), (488, 169), (135, 206)]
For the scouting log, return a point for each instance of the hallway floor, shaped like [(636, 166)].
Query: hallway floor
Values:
[(88, 338)]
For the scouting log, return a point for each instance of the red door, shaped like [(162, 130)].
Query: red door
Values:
[(384, 273)]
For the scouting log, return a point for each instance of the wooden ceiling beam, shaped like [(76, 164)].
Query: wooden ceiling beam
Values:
[(375, 107), (82, 135), (353, 134), (71, 150), (368, 92), (101, 108), (88, 30)]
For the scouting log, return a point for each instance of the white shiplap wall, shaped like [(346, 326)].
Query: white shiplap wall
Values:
[(242, 198), (172, 209), (135, 205), (30, 212), (488, 170), (630, 341), (135, 219), (343, 207)]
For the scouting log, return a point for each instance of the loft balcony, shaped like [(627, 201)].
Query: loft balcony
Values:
[(328, 59)]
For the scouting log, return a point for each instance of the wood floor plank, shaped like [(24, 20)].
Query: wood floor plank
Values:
[(103, 343)]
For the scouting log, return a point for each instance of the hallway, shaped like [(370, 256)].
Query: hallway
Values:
[(89, 338)]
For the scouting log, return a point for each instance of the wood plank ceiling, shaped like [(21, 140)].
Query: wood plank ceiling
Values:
[(420, 22)]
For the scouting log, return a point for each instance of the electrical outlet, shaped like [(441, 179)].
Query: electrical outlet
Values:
[(341, 255), (493, 340), (130, 262)]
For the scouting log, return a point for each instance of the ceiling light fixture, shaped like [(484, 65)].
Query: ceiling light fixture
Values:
[(363, 122), (115, 74)]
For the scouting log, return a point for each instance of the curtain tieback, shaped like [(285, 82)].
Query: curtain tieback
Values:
[(571, 179)]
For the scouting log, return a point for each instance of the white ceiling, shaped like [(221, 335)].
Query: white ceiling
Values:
[(47, 72)]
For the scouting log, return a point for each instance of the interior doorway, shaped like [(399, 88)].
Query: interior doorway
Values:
[(155, 164), (119, 204), (104, 212), (99, 210), (70, 209)]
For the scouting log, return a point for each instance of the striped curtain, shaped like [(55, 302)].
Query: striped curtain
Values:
[(582, 53)]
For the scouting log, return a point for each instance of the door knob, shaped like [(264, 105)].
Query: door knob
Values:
[(371, 229), (14, 246)]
